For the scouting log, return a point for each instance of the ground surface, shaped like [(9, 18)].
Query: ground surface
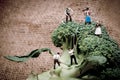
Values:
[(27, 24)]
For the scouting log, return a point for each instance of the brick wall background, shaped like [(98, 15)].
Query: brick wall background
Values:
[(26, 25)]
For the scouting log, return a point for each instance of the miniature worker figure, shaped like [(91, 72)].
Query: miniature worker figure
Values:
[(72, 56), (98, 31), (87, 14), (68, 13), (56, 58)]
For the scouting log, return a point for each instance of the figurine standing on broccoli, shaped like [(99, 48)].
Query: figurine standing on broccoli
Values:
[(87, 14), (72, 56), (56, 58), (98, 31), (68, 13)]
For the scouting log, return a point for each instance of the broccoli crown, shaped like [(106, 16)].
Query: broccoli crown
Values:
[(64, 33), (87, 42)]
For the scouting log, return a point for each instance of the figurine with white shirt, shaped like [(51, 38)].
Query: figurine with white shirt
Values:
[(72, 56), (98, 31), (56, 58)]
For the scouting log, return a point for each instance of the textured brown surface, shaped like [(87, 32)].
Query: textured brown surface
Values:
[(27, 24)]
